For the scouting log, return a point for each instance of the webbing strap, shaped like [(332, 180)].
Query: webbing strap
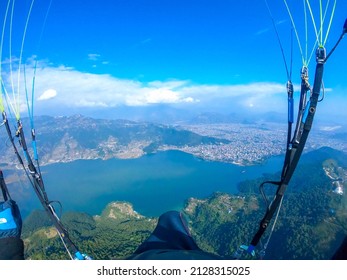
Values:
[(40, 191), (294, 153), (38, 187), (4, 189)]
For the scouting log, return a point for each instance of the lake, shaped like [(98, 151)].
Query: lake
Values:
[(153, 183)]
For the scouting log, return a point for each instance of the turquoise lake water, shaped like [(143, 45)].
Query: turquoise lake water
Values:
[(153, 184)]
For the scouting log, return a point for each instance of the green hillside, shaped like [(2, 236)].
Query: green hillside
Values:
[(311, 224), (115, 234)]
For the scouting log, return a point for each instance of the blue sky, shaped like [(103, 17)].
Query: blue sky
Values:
[(213, 55)]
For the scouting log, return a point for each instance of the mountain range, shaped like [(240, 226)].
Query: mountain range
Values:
[(64, 139)]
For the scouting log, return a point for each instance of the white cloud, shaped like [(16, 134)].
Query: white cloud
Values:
[(162, 95), (86, 90), (79, 89), (48, 94), (330, 128)]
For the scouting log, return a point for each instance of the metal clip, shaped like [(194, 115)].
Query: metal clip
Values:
[(320, 55)]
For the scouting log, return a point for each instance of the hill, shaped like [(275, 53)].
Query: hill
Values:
[(64, 139), (312, 221), (114, 234), (210, 136), (311, 224)]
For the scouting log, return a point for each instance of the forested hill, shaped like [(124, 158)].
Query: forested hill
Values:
[(311, 224), (312, 221)]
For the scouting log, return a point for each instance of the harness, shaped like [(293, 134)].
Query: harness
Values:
[(32, 170), (296, 142)]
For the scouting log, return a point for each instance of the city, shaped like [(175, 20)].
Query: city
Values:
[(250, 143)]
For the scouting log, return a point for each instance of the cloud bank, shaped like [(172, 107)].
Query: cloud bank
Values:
[(64, 88), (68, 88)]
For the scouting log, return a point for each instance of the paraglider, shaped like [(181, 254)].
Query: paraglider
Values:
[(11, 96)]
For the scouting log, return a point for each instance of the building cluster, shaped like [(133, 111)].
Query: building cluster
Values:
[(252, 143)]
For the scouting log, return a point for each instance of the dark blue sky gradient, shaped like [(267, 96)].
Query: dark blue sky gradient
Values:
[(216, 41)]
